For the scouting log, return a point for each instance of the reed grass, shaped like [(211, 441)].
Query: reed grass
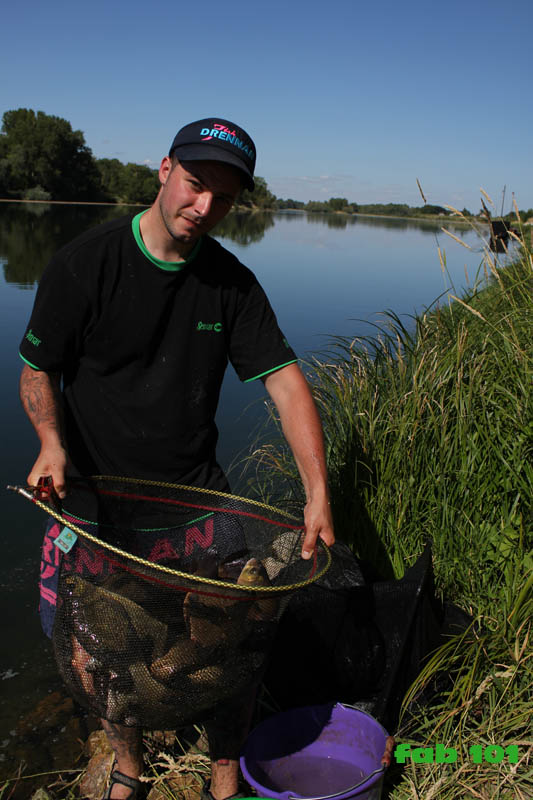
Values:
[(428, 428), (429, 436), (488, 704)]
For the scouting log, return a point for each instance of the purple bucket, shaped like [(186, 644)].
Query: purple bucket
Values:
[(317, 753)]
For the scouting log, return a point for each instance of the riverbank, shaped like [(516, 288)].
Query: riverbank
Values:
[(256, 209), (61, 752), (429, 438), (69, 203)]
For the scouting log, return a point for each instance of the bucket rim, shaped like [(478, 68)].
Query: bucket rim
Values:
[(367, 782)]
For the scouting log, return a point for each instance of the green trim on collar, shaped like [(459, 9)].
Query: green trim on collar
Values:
[(169, 266), (262, 375)]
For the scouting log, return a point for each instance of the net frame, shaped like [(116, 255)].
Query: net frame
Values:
[(317, 571)]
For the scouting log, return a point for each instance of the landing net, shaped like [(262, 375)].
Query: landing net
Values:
[(168, 600)]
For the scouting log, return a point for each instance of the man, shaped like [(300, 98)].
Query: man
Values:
[(138, 318)]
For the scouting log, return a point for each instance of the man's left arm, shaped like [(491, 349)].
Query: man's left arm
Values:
[(302, 428)]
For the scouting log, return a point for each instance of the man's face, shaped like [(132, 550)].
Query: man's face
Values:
[(194, 196)]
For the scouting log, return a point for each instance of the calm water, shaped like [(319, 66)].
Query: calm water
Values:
[(311, 775), (325, 275)]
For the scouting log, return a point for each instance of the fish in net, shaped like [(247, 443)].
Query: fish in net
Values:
[(168, 600)]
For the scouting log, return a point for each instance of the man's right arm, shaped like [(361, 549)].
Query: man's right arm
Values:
[(40, 393)]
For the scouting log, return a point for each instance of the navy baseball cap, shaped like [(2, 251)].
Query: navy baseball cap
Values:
[(214, 139)]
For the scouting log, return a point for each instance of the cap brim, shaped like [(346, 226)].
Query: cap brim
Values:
[(203, 152)]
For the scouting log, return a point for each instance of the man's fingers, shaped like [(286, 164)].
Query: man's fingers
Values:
[(308, 546), (309, 542), (327, 536), (318, 523), (58, 482), (37, 479), (34, 477), (60, 488)]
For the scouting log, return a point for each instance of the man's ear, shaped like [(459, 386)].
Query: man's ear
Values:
[(165, 169)]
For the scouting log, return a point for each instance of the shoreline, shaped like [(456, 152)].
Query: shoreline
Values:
[(428, 218), (70, 202)]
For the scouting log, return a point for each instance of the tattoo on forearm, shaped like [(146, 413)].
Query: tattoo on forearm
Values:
[(41, 398)]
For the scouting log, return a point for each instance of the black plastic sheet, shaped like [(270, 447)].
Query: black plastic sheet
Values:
[(358, 640)]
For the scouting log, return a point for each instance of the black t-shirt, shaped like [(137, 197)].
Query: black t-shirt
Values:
[(142, 346)]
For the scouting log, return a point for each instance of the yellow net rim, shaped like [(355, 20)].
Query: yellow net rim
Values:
[(214, 492), (316, 571)]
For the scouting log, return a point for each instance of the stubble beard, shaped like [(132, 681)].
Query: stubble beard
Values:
[(167, 219)]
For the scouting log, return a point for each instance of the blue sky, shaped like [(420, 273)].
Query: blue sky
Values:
[(343, 98)]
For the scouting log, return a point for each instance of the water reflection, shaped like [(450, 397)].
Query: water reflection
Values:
[(30, 234), (244, 227), (342, 221), (338, 221), (423, 226)]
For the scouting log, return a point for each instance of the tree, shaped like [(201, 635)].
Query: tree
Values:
[(351, 208), (317, 205), (261, 197), (42, 150), (337, 203), (290, 203), (433, 210), (128, 183), (142, 184), (112, 177)]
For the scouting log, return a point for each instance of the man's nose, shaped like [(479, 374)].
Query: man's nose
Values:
[(203, 203)]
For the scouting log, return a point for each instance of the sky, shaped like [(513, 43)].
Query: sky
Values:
[(343, 98)]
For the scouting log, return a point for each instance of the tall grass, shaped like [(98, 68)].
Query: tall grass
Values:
[(429, 436), (489, 704)]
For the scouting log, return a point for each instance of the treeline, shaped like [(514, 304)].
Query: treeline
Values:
[(42, 158), (342, 204)]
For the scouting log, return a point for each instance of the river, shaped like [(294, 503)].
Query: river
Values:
[(326, 275)]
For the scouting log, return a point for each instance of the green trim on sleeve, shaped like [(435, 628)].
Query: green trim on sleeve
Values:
[(30, 364), (274, 369), (169, 266)]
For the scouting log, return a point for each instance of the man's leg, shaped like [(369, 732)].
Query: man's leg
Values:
[(127, 744), (224, 778), (226, 734)]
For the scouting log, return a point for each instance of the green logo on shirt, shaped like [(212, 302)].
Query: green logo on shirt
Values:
[(33, 339), (209, 326)]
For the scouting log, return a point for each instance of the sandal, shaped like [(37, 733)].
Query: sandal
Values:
[(206, 793), (137, 788)]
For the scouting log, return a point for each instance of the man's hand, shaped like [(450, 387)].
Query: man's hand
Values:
[(52, 462), (41, 397), (318, 523)]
